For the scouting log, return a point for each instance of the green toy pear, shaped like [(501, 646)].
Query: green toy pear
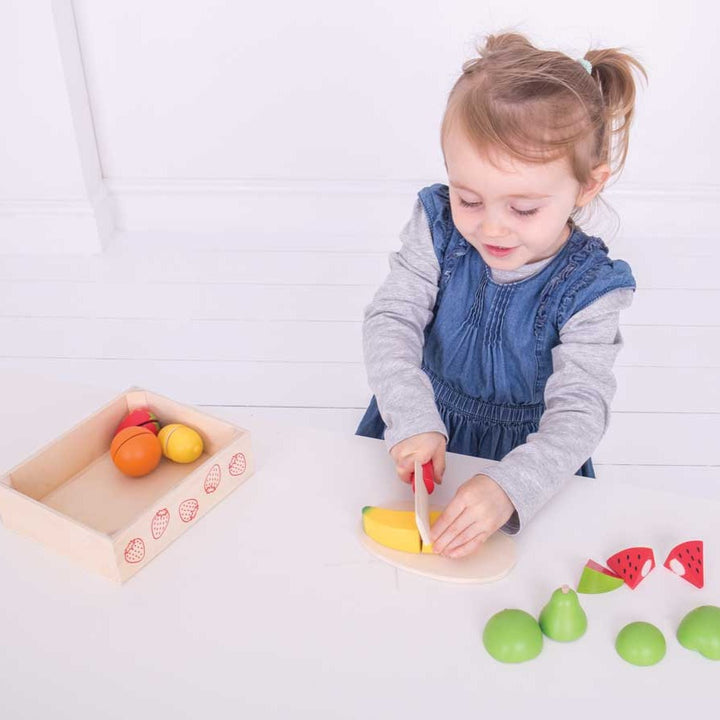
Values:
[(563, 619)]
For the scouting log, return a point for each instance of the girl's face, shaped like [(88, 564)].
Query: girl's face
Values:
[(512, 214)]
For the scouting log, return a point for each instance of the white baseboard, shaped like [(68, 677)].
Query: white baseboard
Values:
[(364, 214), (55, 227)]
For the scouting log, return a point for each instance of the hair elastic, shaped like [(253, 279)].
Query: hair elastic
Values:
[(586, 64)]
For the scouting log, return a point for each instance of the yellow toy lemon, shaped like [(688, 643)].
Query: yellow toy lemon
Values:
[(395, 528), (180, 443)]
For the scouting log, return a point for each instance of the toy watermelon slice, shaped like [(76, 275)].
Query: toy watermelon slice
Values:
[(632, 564), (686, 560), (598, 579)]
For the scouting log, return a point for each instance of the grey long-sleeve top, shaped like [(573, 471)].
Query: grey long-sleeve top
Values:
[(577, 395)]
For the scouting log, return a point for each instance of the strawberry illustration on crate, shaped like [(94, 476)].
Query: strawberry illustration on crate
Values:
[(160, 522), (135, 551), (632, 564), (189, 510), (686, 560), (213, 479), (237, 464)]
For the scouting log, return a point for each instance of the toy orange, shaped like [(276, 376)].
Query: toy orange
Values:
[(136, 451)]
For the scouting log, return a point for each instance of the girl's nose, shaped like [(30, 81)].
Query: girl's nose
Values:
[(492, 227)]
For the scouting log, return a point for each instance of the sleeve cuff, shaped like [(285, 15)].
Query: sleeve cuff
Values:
[(422, 424), (524, 494)]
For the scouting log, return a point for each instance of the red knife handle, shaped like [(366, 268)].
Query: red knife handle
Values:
[(428, 477)]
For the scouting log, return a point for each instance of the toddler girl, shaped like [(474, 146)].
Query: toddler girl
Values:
[(496, 331)]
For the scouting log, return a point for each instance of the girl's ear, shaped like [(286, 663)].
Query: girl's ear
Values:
[(598, 178)]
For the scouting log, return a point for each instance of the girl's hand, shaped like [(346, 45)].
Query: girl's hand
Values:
[(422, 447), (479, 508)]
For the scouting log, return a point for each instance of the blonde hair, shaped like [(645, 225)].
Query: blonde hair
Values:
[(541, 105)]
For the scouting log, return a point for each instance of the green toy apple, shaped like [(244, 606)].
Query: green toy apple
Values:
[(700, 630), (512, 636), (640, 643), (562, 618)]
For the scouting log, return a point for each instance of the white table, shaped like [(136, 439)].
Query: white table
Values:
[(271, 608)]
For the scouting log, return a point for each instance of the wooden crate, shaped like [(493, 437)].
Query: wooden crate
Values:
[(71, 497)]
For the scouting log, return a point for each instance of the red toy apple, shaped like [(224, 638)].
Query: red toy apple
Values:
[(142, 417)]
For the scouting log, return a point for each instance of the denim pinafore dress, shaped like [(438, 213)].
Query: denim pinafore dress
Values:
[(488, 348)]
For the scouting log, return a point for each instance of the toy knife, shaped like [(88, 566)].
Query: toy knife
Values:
[(423, 477)]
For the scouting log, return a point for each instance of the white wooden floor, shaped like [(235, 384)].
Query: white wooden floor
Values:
[(266, 330)]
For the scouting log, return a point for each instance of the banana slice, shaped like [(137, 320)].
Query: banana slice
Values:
[(395, 528)]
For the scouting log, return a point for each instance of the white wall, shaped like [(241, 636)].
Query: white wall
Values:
[(211, 114), (52, 197), (325, 90), (203, 106)]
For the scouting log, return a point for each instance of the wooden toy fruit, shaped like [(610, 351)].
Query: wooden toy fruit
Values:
[(395, 528), (640, 643), (136, 451), (512, 636), (686, 560), (142, 417), (598, 579), (632, 564), (700, 630), (180, 443), (563, 619)]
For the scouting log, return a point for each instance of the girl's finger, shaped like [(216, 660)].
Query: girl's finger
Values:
[(405, 475), (454, 528), (468, 534), (469, 547), (405, 468), (446, 518), (438, 461)]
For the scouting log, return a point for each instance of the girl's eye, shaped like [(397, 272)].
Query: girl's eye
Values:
[(524, 213)]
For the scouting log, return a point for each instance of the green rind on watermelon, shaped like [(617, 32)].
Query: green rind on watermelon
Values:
[(686, 560), (632, 564), (597, 579)]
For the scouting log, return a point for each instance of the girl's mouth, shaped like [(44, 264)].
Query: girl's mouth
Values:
[(498, 251)]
